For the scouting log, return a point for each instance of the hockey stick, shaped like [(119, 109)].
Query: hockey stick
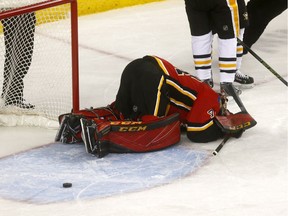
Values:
[(230, 89), (263, 62), (217, 150)]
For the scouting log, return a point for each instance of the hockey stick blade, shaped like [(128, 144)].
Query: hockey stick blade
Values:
[(220, 146)]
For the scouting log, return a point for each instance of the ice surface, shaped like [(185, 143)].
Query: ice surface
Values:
[(36, 176), (248, 177)]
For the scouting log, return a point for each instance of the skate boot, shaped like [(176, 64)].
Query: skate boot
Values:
[(244, 80), (20, 104), (209, 82)]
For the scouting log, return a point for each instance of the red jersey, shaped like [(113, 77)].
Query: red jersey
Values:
[(194, 100)]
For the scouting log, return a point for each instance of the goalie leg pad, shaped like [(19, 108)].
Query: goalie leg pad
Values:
[(149, 135), (69, 129), (61, 128), (153, 133), (92, 134), (99, 148)]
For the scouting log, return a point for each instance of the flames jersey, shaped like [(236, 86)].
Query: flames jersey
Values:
[(153, 86), (194, 100)]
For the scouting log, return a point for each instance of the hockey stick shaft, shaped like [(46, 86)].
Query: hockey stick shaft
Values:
[(262, 61), (237, 99), (220, 146)]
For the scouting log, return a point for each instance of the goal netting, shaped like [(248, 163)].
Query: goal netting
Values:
[(37, 57)]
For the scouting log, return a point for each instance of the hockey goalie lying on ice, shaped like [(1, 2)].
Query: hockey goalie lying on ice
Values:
[(154, 102)]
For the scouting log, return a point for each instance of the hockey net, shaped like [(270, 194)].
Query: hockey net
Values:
[(38, 61)]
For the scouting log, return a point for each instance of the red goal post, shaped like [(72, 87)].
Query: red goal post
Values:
[(51, 82)]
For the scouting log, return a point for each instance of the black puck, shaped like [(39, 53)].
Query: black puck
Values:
[(67, 185)]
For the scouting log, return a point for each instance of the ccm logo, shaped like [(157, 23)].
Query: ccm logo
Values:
[(237, 127), (128, 126), (120, 123), (132, 129)]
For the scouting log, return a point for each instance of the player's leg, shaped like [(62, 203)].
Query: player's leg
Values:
[(9, 28), (19, 42), (261, 12), (240, 78), (26, 28), (25, 46), (227, 25), (201, 37)]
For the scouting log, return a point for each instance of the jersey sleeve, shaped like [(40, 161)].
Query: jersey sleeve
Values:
[(201, 126)]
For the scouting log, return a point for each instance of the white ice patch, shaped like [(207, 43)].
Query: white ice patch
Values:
[(37, 175)]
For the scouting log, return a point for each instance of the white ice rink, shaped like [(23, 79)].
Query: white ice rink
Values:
[(248, 178)]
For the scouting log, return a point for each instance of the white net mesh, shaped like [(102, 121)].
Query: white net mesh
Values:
[(35, 61)]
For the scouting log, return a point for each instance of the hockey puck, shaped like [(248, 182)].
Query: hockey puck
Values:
[(67, 185)]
